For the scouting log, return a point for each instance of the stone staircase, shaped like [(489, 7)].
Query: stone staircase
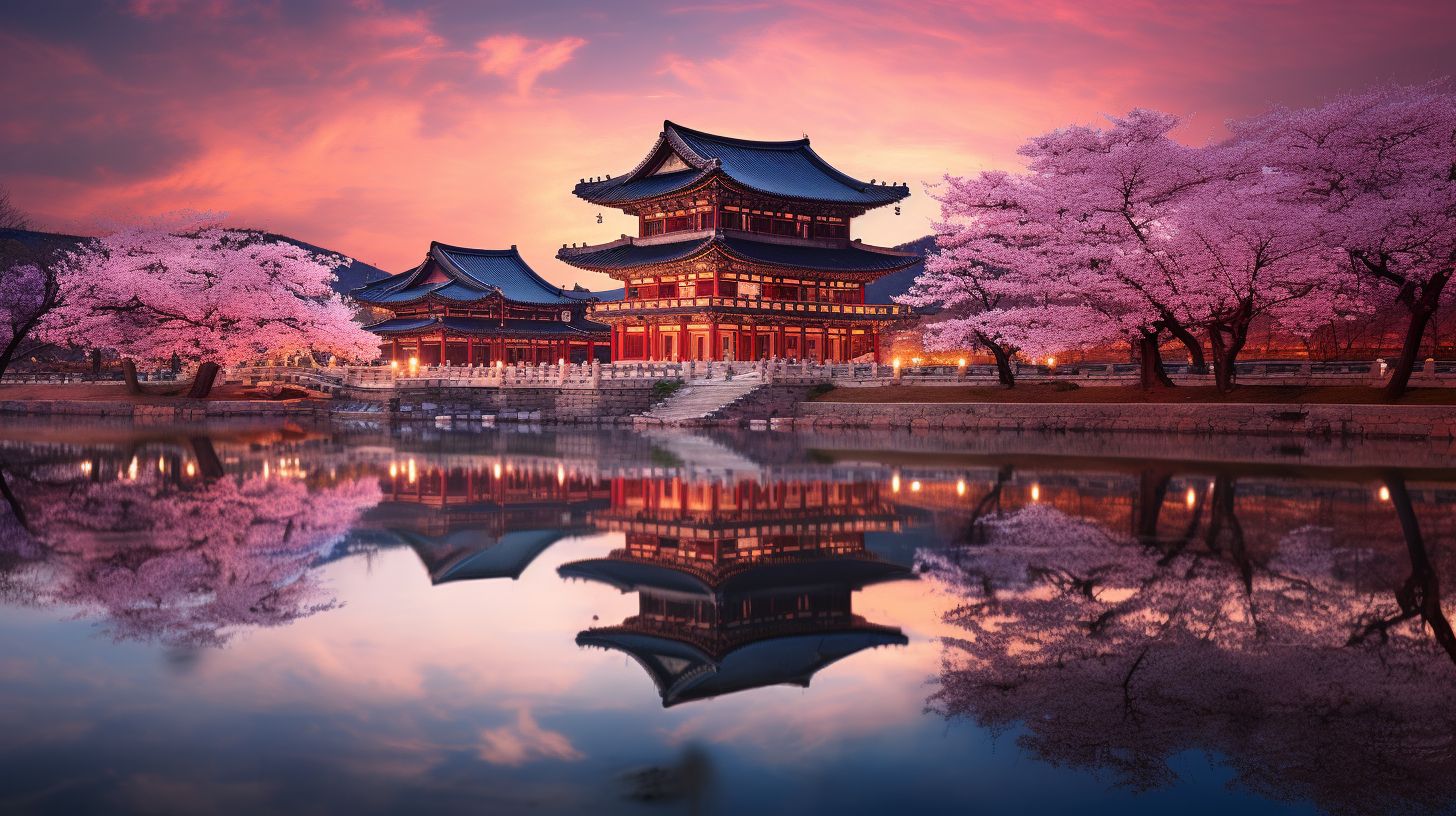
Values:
[(700, 400)]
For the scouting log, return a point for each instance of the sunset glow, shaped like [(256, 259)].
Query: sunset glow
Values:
[(372, 128)]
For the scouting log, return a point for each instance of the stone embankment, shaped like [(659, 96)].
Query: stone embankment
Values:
[(1375, 421)]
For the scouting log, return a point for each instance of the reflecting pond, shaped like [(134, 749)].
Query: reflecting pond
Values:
[(254, 619)]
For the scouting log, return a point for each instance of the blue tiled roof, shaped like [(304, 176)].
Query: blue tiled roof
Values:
[(471, 275), (787, 169), (684, 672), (851, 258), (490, 326)]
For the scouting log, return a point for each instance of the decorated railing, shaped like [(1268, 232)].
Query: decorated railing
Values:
[(385, 379), (797, 307)]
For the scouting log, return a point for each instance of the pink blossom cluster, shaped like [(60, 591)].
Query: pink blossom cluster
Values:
[(1121, 232), (205, 294)]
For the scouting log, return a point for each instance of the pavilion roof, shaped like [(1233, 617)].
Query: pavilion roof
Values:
[(628, 253), (465, 275), (474, 554), (635, 574), (684, 672), (785, 169), (487, 326)]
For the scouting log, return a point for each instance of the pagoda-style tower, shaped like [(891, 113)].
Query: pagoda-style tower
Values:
[(740, 585), (742, 252), (464, 306)]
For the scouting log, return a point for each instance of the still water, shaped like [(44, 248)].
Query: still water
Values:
[(360, 620)]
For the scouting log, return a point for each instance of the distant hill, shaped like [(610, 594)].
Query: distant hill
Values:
[(350, 277), (897, 283)]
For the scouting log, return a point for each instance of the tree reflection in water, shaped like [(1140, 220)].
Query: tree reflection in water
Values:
[(1117, 652), (169, 548)]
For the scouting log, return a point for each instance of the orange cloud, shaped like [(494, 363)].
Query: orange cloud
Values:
[(524, 741), (523, 59)]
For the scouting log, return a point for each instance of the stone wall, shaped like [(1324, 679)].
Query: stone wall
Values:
[(611, 404), (1418, 421)]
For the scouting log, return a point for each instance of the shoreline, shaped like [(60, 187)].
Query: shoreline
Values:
[(1297, 420)]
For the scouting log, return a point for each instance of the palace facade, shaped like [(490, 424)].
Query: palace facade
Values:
[(464, 306), (743, 252)]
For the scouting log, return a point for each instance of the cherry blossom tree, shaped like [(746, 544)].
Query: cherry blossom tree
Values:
[(995, 276), (1122, 232), (208, 295), (28, 290), (1381, 165), (1118, 652), (184, 561)]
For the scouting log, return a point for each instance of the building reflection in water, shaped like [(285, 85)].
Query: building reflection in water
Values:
[(740, 584), (483, 518)]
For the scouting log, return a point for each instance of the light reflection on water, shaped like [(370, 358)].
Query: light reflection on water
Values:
[(263, 620)]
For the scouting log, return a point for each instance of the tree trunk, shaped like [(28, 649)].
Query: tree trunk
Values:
[(1003, 366), (202, 383), (96, 362), (208, 463), (1422, 311), (1151, 373), (1227, 341), (128, 373), (1148, 505), (1196, 360)]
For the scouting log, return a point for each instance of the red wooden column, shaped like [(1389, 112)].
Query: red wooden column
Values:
[(683, 352), (875, 343), (469, 349), (442, 348), (753, 341), (803, 342), (782, 342), (713, 338), (591, 351)]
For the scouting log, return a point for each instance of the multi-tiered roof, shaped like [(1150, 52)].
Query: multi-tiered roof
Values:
[(683, 160), (452, 276)]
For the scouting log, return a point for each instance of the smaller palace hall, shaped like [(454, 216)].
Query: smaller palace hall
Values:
[(465, 306)]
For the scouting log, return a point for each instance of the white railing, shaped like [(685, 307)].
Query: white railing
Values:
[(625, 374)]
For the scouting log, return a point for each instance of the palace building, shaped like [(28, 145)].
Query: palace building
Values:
[(740, 585), (743, 252), (464, 306)]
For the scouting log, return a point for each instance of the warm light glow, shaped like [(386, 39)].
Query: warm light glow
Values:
[(191, 469), (895, 483), (265, 469), (161, 464), (895, 362), (1191, 498), (1036, 492), (411, 471), (393, 470), (394, 364), (1051, 362), (414, 363), (915, 486), (561, 361), (131, 471), (1384, 493), (961, 362), (496, 471), (960, 487), (86, 468), (560, 475)]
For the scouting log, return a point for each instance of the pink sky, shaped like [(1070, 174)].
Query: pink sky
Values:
[(372, 127)]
